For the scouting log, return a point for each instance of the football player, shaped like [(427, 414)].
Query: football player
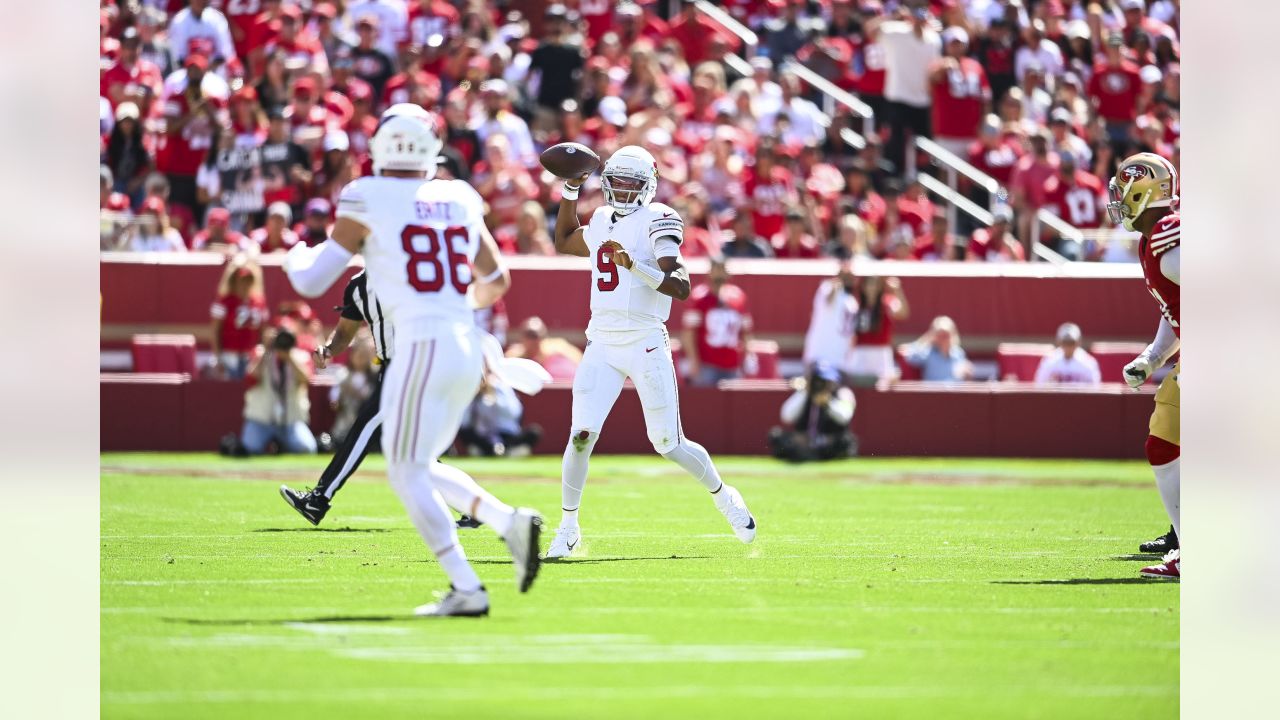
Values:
[(430, 262), (1144, 199), (634, 246)]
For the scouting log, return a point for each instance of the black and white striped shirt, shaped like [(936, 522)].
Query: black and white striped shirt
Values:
[(361, 305)]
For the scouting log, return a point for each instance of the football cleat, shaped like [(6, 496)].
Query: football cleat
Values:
[(466, 522), (310, 504), (457, 603), (1170, 569), (734, 509), (522, 541), (564, 543), (1162, 544)]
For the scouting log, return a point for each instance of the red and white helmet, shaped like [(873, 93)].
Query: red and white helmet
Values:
[(629, 179), (405, 142)]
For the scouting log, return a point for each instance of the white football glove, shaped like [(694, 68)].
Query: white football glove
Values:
[(1137, 371)]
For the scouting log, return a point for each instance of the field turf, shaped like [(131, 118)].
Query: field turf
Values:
[(877, 588)]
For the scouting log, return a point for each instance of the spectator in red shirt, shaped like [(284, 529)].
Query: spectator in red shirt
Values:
[(301, 49), (768, 188), (276, 235), (692, 29), (717, 329), (1029, 176), (308, 119), (961, 94), (191, 115), (218, 235), (1075, 195), (503, 183), (996, 243), (1114, 90), (881, 304), (122, 80), (795, 241), (238, 315), (996, 151), (937, 244), (901, 225)]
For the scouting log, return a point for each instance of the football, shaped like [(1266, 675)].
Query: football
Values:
[(569, 160)]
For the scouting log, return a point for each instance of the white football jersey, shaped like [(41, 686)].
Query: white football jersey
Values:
[(621, 302), (424, 235)]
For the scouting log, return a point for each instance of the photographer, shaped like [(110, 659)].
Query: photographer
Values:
[(491, 425), (277, 406), (816, 419)]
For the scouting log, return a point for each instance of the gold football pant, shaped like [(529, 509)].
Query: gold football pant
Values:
[(1165, 420)]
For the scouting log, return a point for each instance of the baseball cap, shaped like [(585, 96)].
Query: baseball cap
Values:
[(153, 205), (292, 12), (324, 10), (760, 62), (218, 216), (1132, 5), (1002, 214), (336, 140), (496, 86), (1150, 74), (367, 21), (130, 36), (793, 214), (628, 8), (127, 110), (955, 33), (826, 371), (280, 209), (318, 206), (1061, 115), (1066, 157), (1069, 332), (197, 60), (1079, 29), (556, 10), (305, 87), (613, 110)]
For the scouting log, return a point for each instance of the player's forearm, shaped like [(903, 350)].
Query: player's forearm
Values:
[(675, 283), (1165, 344), (488, 292), (566, 225), (690, 346), (342, 336)]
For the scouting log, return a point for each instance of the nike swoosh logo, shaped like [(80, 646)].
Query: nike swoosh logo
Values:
[(311, 507), (667, 215), (651, 349), (572, 545)]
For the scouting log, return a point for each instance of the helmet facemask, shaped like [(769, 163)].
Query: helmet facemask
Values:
[(626, 191)]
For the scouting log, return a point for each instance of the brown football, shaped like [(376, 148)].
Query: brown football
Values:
[(569, 160)]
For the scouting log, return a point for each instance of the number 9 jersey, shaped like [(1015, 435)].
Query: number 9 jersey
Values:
[(621, 302), (423, 237)]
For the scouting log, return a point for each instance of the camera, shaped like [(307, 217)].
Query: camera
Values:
[(284, 341)]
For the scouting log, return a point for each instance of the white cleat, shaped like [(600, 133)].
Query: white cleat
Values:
[(522, 540), (734, 509), (457, 603), (564, 543)]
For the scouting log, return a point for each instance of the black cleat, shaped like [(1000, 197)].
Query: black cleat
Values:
[(1162, 544), (310, 504), (466, 522)]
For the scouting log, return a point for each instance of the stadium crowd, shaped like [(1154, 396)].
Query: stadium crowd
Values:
[(233, 125)]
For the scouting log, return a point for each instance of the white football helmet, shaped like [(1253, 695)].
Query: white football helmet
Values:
[(404, 109), (406, 143), (629, 179)]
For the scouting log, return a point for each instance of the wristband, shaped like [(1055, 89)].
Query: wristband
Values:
[(491, 277), (570, 192), (648, 274)]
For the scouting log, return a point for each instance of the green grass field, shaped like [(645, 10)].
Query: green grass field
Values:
[(875, 589)]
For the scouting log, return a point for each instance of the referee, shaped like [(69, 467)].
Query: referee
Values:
[(358, 306)]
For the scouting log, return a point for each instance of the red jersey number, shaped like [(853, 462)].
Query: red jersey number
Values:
[(451, 264), (608, 280)]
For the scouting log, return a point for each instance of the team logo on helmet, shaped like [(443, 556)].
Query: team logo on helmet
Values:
[(1135, 172)]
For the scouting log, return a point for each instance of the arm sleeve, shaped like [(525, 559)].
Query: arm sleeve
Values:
[(1164, 345), (667, 224), (841, 406), (666, 247), (791, 408)]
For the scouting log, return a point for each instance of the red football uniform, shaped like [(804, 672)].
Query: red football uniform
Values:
[(439, 18), (719, 321), (958, 98), (182, 154), (1165, 236), (242, 321), (768, 197), (1081, 203)]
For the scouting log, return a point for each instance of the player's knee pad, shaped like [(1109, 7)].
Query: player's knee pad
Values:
[(1161, 451), (583, 441)]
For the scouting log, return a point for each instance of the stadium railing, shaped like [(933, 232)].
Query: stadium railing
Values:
[(749, 39), (833, 95)]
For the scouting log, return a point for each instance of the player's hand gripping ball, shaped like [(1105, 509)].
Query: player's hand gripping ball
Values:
[(570, 160), (620, 256)]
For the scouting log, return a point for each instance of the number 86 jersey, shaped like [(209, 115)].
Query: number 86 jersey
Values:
[(620, 301), (424, 235)]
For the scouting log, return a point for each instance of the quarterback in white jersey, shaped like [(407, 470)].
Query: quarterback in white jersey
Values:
[(634, 246), (430, 260)]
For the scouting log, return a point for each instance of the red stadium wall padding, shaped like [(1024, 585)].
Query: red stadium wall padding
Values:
[(173, 412), (998, 302)]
